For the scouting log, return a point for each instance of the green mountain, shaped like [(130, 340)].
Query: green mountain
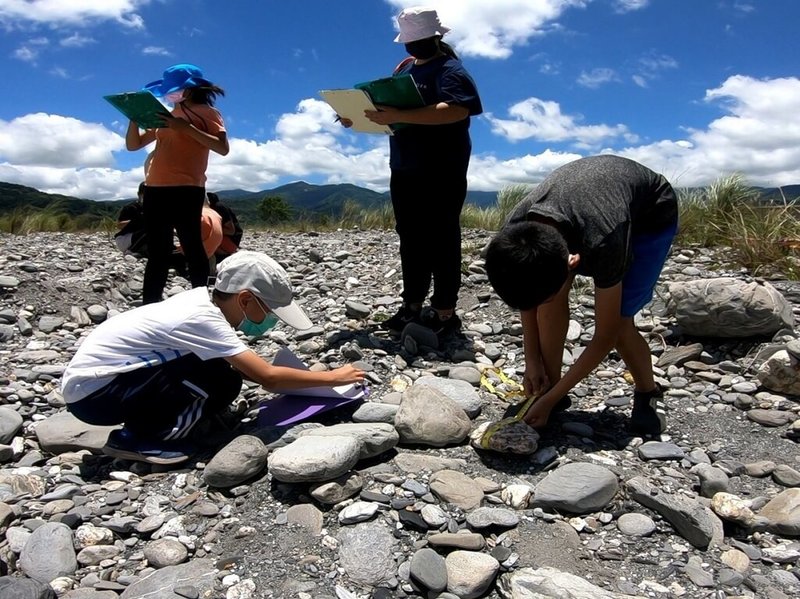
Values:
[(777, 195), (329, 199), (306, 199), (18, 197)]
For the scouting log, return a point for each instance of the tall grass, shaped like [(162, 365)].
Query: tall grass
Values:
[(22, 221), (764, 238)]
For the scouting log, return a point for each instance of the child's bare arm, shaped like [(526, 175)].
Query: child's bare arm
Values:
[(255, 368), (607, 304), (535, 379)]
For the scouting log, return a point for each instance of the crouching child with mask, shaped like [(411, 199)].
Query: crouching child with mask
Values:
[(160, 368)]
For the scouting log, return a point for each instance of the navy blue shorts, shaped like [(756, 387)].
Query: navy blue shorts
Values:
[(649, 254)]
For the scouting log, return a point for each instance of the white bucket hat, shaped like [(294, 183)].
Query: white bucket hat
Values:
[(418, 23), (261, 275)]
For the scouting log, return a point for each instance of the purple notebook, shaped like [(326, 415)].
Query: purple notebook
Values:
[(289, 409), (300, 404)]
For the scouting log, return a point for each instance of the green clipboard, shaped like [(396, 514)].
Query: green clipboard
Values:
[(399, 91), (140, 107)]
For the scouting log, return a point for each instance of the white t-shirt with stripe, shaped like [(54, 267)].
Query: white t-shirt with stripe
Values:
[(148, 336)]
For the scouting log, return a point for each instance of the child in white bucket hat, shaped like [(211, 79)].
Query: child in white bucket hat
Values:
[(159, 368), (417, 23), (428, 160)]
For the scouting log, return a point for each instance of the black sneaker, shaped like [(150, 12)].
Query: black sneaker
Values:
[(125, 445), (649, 416), (441, 326), (563, 404), (398, 322)]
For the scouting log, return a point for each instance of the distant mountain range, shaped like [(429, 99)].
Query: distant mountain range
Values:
[(306, 199), (328, 199)]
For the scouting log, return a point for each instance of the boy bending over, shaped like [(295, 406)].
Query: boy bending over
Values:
[(606, 217)]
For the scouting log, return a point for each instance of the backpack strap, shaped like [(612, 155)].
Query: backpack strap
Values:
[(402, 64)]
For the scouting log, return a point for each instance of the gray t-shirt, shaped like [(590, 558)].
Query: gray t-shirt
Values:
[(600, 203)]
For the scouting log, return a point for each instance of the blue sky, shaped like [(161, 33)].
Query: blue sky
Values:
[(695, 89)]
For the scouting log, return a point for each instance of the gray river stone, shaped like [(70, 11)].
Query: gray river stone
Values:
[(199, 573), (240, 460), (693, 521), (577, 488), (49, 553), (366, 553), (428, 570)]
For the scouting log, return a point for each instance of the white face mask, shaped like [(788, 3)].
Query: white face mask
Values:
[(174, 97)]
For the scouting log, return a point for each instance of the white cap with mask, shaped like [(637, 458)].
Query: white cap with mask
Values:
[(267, 280)]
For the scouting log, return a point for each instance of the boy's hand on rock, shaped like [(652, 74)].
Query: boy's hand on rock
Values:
[(537, 415), (347, 374)]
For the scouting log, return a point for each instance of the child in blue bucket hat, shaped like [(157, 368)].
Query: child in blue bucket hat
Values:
[(175, 181)]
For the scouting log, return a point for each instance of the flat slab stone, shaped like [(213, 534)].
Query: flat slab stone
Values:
[(63, 432), (199, 573), (456, 488), (783, 513), (656, 450), (578, 488)]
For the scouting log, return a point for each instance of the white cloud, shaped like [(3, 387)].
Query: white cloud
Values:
[(550, 68), (623, 6), (649, 67), (56, 141), (597, 77), (155, 51), (758, 135), (542, 120), (26, 54), (493, 29), (71, 12), (31, 49), (487, 173), (76, 40)]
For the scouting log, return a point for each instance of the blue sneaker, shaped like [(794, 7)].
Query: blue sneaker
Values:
[(125, 445)]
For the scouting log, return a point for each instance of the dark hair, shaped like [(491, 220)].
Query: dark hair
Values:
[(447, 48), (206, 94), (527, 263), (213, 199), (140, 191), (222, 295)]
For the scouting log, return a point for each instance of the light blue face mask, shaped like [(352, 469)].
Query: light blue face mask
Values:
[(257, 329)]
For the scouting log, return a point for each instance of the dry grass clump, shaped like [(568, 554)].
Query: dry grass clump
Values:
[(764, 238)]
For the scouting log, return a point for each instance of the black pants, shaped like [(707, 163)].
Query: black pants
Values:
[(163, 402), (427, 209), (168, 209)]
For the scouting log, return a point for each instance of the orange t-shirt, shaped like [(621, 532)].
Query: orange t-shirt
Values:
[(179, 159), (210, 230)]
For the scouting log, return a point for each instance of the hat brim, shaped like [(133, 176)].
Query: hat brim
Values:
[(400, 39), (294, 316), (157, 87)]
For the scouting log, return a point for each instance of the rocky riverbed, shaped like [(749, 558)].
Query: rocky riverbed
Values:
[(389, 497)]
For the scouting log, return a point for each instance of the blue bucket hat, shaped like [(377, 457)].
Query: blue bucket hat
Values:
[(176, 78)]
